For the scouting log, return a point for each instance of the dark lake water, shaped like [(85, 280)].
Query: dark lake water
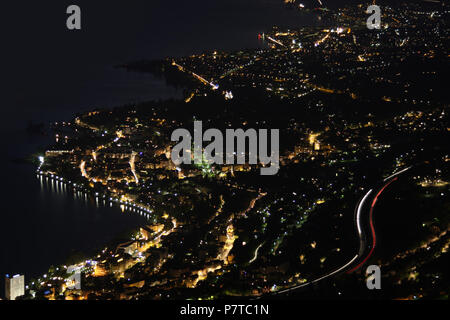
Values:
[(50, 73)]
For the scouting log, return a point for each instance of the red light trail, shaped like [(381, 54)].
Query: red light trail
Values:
[(372, 227)]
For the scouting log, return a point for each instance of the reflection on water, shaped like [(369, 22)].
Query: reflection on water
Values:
[(59, 187), (45, 220)]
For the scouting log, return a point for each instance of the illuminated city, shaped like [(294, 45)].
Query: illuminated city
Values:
[(363, 179)]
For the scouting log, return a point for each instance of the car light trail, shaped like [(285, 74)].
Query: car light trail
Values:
[(319, 279), (374, 239), (358, 214), (396, 174)]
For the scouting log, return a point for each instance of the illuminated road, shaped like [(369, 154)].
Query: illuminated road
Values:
[(255, 256), (132, 166), (276, 41), (363, 223), (319, 42), (198, 77), (83, 169)]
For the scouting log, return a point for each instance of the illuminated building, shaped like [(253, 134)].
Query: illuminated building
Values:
[(14, 287)]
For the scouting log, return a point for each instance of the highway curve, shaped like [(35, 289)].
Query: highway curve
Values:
[(366, 234)]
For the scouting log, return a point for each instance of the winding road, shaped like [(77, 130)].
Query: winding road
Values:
[(366, 233), (364, 223)]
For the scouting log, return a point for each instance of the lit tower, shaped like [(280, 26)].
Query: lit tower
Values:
[(14, 287)]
